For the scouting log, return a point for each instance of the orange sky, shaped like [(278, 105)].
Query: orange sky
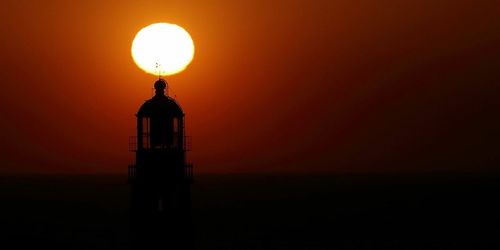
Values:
[(274, 85)]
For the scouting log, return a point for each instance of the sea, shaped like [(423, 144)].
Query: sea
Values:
[(264, 211)]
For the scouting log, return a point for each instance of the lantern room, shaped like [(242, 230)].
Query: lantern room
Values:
[(160, 122)]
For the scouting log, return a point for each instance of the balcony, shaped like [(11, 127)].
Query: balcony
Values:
[(131, 172), (132, 144), (188, 143), (188, 172)]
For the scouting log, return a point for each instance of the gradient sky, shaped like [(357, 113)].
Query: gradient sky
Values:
[(274, 85)]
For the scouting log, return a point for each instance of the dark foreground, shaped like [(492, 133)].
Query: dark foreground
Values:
[(440, 211)]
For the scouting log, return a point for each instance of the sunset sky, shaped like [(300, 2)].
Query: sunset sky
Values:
[(299, 86)]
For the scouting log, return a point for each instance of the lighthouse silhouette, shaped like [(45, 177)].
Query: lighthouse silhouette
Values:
[(161, 177)]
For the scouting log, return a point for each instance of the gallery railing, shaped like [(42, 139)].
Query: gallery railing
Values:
[(132, 144), (131, 172)]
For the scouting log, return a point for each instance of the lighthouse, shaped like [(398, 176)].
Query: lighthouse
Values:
[(160, 179)]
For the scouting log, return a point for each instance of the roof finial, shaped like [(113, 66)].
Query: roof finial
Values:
[(160, 86), (158, 67)]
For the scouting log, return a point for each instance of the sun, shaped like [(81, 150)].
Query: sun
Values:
[(162, 49)]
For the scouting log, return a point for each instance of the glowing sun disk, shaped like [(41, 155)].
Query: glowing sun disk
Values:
[(162, 49)]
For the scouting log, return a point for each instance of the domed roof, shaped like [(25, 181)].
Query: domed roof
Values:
[(160, 105)]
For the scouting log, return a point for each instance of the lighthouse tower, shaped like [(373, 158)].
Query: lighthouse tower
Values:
[(160, 179)]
